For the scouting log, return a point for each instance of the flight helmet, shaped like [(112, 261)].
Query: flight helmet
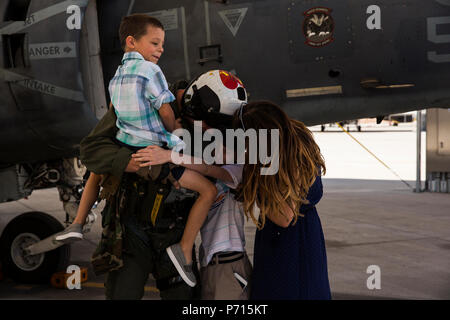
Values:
[(213, 97)]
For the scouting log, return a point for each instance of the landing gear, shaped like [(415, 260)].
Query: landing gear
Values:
[(28, 248), (70, 189), (25, 230), (67, 175)]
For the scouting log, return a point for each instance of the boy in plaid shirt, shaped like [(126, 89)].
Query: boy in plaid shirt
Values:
[(140, 97)]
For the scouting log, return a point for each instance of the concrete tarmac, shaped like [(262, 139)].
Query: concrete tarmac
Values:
[(369, 218)]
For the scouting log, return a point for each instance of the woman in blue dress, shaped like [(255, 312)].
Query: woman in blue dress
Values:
[(290, 259)]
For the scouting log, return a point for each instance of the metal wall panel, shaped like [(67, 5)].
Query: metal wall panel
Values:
[(438, 150)]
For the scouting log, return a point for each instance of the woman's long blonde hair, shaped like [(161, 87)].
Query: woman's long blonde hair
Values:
[(300, 162)]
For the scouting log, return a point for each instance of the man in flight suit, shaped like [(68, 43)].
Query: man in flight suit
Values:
[(141, 217)]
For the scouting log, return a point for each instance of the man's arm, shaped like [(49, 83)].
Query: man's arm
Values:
[(154, 155), (100, 154)]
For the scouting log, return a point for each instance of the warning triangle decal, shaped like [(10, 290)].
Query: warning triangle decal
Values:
[(233, 18)]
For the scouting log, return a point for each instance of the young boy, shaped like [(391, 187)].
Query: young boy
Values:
[(225, 268), (140, 96)]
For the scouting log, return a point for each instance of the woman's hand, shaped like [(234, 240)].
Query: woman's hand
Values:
[(284, 219), (152, 155), (178, 124)]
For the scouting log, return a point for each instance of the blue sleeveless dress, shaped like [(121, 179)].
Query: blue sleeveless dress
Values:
[(291, 263)]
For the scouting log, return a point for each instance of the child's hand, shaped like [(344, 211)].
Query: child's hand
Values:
[(133, 166), (176, 184), (152, 155)]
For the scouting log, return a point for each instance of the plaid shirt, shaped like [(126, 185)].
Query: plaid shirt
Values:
[(137, 90)]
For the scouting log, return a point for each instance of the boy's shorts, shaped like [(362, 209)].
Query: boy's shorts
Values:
[(156, 171), (219, 282)]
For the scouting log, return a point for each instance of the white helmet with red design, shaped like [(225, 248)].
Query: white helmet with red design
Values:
[(213, 97)]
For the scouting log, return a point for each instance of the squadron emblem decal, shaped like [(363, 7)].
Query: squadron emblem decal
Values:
[(318, 26)]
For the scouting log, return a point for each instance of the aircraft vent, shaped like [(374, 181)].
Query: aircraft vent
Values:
[(14, 53), (17, 10)]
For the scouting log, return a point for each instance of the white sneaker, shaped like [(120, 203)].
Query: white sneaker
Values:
[(74, 232)]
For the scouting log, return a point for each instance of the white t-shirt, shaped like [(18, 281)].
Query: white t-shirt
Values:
[(223, 229)]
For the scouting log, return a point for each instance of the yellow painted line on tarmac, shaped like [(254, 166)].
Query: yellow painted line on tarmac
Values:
[(101, 285), (365, 148), (23, 287), (93, 285)]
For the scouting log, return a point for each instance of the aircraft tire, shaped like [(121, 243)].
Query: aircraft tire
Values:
[(26, 229)]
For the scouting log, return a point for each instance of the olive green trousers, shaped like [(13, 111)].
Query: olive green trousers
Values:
[(143, 254)]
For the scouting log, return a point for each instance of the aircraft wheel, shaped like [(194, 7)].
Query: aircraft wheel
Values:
[(322, 128), (23, 231), (359, 128)]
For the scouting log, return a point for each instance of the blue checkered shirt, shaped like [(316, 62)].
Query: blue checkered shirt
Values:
[(137, 90)]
